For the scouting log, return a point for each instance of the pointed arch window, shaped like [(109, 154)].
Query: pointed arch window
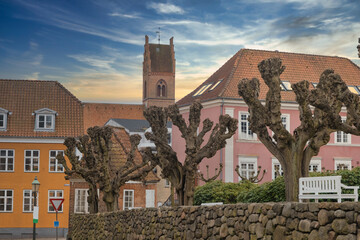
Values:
[(161, 90)]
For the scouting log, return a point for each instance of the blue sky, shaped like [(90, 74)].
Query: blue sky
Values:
[(95, 48)]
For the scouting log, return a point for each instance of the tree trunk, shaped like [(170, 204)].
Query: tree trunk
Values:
[(189, 188), (293, 170), (110, 201), (93, 199)]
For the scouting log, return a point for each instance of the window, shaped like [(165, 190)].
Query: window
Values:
[(161, 89), (3, 119), (81, 203), (276, 169), (32, 158), (202, 90), (6, 160), (167, 183), (342, 164), (55, 194), (247, 167), (28, 201), (354, 89), (128, 199), (341, 137), (285, 119), (45, 119), (315, 165), (215, 85), (54, 165), (244, 127), (286, 86), (6, 200)]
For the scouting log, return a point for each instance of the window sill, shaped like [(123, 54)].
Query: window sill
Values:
[(247, 140), (44, 130)]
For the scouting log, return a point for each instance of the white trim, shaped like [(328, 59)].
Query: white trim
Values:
[(7, 159), (4, 127), (31, 140), (45, 129), (229, 153), (49, 204), (149, 198), (32, 161), (133, 182), (345, 161), (56, 161), (247, 160), (132, 195)]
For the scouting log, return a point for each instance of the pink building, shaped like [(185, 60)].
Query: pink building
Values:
[(219, 95)]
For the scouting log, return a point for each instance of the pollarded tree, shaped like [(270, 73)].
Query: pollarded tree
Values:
[(182, 173), (294, 151), (97, 166)]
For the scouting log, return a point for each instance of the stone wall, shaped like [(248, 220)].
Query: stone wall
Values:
[(237, 221)]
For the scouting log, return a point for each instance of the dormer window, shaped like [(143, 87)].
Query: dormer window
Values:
[(45, 119), (3, 118)]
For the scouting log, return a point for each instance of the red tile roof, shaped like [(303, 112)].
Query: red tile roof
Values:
[(118, 155), (23, 97), (97, 114), (298, 67)]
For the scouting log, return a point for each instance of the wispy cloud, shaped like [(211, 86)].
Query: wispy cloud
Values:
[(165, 8), (307, 4), (131, 16)]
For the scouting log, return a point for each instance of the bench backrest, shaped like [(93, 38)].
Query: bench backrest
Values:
[(328, 184)]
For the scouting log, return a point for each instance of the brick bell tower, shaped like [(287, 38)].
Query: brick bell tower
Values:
[(158, 74)]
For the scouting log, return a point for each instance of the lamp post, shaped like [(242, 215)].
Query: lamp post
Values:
[(35, 189)]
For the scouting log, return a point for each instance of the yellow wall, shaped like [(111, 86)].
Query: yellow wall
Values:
[(20, 180)]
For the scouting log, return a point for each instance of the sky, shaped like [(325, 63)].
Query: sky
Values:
[(95, 48)]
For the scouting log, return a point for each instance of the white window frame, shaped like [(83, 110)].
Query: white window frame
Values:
[(275, 162), (287, 121), (56, 196), (345, 161), (342, 135), (167, 183), (56, 164), (247, 160), (245, 136), (6, 199), (315, 162), (31, 199), (7, 160), (76, 200), (124, 198), (32, 160), (45, 112), (4, 113)]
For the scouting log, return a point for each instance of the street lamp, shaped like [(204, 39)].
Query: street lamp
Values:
[(35, 189)]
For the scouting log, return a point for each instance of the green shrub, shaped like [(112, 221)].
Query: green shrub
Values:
[(273, 191), (217, 191)]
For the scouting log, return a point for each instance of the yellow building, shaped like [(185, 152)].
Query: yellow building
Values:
[(35, 118)]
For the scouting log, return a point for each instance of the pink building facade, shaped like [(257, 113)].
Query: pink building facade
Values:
[(218, 95)]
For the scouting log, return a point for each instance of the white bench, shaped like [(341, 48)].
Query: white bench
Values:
[(328, 187)]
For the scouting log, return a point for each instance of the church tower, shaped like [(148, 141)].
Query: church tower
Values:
[(158, 74)]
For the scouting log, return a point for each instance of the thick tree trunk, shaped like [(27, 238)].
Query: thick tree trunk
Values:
[(189, 188), (93, 199), (110, 201)]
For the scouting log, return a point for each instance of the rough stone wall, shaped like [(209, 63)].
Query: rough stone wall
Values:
[(328, 221)]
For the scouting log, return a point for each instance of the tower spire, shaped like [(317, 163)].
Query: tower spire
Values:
[(158, 33)]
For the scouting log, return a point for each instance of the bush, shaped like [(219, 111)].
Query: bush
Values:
[(273, 191), (217, 191)]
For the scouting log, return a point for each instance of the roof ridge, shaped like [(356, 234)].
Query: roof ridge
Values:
[(27, 80), (68, 92), (237, 61), (292, 53)]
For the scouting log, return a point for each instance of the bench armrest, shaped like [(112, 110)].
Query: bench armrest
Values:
[(349, 187)]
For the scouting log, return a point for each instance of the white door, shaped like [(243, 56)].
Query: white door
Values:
[(150, 198)]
